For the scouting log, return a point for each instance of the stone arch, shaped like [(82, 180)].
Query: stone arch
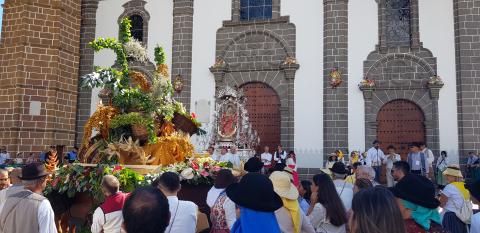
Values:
[(281, 81), (137, 7), (420, 98), (400, 122), (288, 50), (402, 56), (271, 78), (417, 96)]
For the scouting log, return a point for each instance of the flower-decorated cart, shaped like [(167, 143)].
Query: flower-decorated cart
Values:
[(137, 133)]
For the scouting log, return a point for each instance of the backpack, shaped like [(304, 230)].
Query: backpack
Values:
[(465, 212)]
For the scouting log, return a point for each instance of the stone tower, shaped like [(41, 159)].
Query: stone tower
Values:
[(39, 60)]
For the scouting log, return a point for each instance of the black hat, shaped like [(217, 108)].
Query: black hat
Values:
[(339, 168), (416, 189), (376, 141), (474, 189), (255, 191), (253, 165), (33, 171)]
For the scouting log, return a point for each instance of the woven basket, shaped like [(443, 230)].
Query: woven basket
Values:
[(140, 132), (158, 125), (184, 124)]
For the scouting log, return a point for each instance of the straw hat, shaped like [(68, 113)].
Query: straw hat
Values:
[(283, 186), (453, 170), (289, 171)]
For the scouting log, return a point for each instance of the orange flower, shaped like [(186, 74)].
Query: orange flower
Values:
[(140, 80)]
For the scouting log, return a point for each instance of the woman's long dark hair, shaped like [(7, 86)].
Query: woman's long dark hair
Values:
[(375, 210), (328, 197), (307, 186)]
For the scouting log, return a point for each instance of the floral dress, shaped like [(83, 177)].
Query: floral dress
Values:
[(218, 217)]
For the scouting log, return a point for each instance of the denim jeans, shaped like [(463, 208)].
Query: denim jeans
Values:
[(378, 171)]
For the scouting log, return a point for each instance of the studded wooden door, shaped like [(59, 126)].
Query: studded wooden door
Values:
[(263, 105), (400, 122)]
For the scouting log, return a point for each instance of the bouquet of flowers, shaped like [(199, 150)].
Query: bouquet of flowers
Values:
[(435, 80), (196, 171), (335, 78), (368, 83), (72, 179)]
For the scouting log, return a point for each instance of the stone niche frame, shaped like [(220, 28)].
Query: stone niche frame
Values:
[(416, 90), (401, 72), (257, 51), (137, 7)]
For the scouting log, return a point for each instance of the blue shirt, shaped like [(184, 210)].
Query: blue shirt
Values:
[(42, 156), (472, 160), (72, 156), (303, 205)]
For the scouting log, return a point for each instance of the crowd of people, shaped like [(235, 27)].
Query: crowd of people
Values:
[(346, 196)]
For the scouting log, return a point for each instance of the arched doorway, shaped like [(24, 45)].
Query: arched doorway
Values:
[(263, 105), (400, 122)]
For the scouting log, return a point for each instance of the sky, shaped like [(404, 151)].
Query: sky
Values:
[(1, 13)]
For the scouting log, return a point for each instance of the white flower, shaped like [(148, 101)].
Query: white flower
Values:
[(163, 82), (187, 174), (135, 50)]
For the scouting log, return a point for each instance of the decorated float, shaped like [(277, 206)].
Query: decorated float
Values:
[(137, 133)]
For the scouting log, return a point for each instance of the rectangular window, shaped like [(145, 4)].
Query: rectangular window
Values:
[(255, 9), (397, 22)]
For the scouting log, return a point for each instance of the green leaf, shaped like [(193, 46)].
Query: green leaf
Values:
[(125, 30)]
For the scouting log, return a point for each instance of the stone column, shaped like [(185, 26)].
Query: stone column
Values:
[(219, 76), (288, 133), (182, 47), (39, 57), (335, 101), (467, 50), (87, 34)]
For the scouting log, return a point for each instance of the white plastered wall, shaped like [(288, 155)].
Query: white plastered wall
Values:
[(362, 38), (308, 19), (438, 35)]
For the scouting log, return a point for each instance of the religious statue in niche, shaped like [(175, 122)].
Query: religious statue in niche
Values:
[(228, 121)]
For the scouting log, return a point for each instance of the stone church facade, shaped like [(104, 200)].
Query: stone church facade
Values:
[(281, 52)]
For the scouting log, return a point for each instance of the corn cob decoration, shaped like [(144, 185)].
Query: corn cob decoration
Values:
[(51, 162)]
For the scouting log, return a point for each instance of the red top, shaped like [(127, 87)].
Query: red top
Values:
[(114, 202)]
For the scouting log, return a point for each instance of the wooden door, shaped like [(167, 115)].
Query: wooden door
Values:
[(263, 106), (400, 122)]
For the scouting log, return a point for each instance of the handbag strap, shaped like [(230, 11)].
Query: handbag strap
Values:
[(174, 217), (344, 183)]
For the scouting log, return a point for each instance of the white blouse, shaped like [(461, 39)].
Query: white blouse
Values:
[(289, 162), (319, 220)]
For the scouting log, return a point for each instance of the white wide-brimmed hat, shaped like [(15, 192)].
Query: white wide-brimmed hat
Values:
[(283, 186)]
